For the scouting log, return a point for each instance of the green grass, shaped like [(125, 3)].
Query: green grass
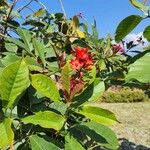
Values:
[(134, 126)]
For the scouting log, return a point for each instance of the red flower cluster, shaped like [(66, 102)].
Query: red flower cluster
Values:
[(117, 48), (83, 59)]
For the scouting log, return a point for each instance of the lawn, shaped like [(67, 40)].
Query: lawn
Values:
[(134, 129)]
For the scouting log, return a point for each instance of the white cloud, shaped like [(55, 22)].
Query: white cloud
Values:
[(134, 37)]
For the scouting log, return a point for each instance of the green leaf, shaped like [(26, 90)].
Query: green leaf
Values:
[(32, 64), (92, 74), (99, 133), (6, 133), (99, 88), (92, 93), (59, 106), (45, 86), (13, 81), (146, 33), (139, 5), (65, 77), (75, 22), (11, 47), (26, 37), (10, 58), (16, 42), (140, 69), (126, 26), (39, 49), (38, 143), (39, 13), (72, 144), (46, 119), (97, 114), (34, 23)]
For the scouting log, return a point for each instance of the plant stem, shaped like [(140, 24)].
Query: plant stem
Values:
[(9, 14), (11, 147), (62, 7), (25, 6)]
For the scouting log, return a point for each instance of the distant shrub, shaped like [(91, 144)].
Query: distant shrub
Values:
[(124, 95)]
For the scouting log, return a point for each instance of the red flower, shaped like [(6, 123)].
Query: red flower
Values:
[(83, 59), (81, 54), (76, 65), (117, 48)]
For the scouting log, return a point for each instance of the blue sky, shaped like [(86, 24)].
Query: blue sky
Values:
[(107, 13)]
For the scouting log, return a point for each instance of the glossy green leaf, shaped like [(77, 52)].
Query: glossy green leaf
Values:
[(6, 133), (32, 64), (126, 26), (46, 119), (146, 33), (140, 5), (65, 77), (72, 144), (45, 86), (98, 114), (140, 69), (39, 49), (11, 47), (99, 133), (16, 42), (26, 37), (99, 88), (92, 93), (38, 143), (14, 80), (8, 59)]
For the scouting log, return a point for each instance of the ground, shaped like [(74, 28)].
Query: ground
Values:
[(134, 129)]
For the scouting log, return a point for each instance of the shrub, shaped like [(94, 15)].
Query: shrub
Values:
[(124, 95)]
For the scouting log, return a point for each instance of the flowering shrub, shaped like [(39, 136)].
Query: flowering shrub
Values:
[(48, 80), (50, 73)]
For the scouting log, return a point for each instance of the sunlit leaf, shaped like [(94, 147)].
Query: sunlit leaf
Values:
[(39, 49), (92, 93), (97, 114), (72, 144), (99, 133), (46, 119), (26, 37), (14, 80), (140, 69), (6, 133), (65, 77), (140, 5), (45, 86), (38, 143), (39, 13)]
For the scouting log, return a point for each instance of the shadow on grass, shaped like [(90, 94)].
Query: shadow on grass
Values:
[(128, 145)]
